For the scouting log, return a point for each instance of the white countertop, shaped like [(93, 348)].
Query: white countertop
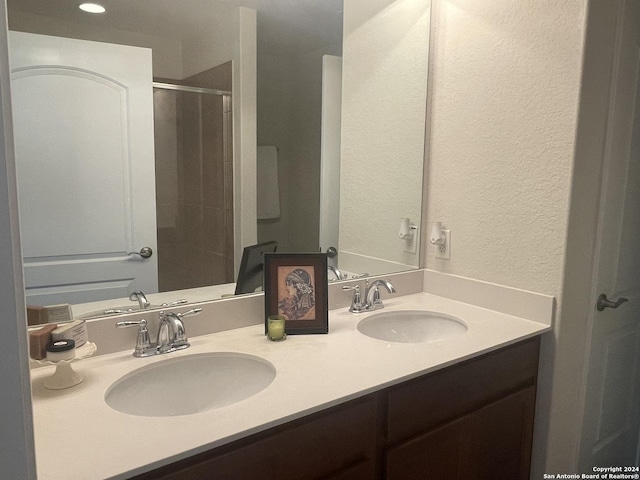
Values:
[(79, 437)]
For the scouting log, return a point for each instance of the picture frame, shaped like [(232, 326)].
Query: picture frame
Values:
[(295, 286)]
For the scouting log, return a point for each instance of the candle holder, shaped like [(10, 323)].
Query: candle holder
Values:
[(276, 328)]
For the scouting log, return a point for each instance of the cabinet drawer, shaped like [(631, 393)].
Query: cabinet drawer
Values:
[(422, 404)]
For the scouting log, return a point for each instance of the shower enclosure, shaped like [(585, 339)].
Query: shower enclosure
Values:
[(194, 186)]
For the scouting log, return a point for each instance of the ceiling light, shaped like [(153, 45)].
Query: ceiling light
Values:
[(92, 8)]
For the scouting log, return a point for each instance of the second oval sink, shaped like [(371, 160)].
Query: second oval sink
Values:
[(412, 326), (190, 384)]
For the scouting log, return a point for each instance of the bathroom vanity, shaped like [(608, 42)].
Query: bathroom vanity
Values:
[(470, 420), (340, 406)]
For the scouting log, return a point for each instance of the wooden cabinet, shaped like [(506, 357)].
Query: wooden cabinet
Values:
[(470, 421), (493, 443), (337, 444)]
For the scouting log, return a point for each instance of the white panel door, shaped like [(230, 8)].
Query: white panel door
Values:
[(612, 402), (83, 122)]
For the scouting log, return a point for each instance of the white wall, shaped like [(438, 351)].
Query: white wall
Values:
[(275, 81), (289, 117), (506, 77), (245, 119), (17, 458), (216, 45), (234, 38), (505, 90), (167, 53), (385, 49)]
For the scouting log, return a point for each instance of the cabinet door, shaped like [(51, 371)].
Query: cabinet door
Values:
[(423, 404), (493, 443), (441, 453), (501, 438)]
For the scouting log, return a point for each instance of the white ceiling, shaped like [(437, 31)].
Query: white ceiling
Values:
[(296, 25)]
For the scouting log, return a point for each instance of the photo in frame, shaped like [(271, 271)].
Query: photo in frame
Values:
[(295, 286)]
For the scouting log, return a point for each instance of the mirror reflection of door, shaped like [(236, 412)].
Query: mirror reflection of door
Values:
[(84, 153)]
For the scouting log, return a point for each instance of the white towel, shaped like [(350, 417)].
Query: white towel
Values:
[(268, 191)]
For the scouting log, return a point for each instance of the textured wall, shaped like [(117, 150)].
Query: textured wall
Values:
[(383, 111), (506, 81), (506, 76)]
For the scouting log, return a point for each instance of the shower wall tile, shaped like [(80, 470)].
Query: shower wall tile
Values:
[(214, 230), (213, 155), (193, 232), (170, 262), (199, 250), (191, 153)]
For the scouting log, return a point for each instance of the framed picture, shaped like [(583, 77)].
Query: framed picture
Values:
[(295, 286)]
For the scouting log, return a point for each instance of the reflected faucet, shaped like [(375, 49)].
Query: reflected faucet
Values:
[(141, 299), (339, 275)]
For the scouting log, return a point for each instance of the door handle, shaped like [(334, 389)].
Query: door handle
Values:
[(145, 252), (603, 302)]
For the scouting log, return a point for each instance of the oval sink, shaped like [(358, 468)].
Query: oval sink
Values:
[(190, 384), (412, 326)]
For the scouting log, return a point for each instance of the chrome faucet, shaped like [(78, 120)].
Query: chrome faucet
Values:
[(141, 299), (171, 334), (339, 275), (356, 301), (372, 294), (372, 300)]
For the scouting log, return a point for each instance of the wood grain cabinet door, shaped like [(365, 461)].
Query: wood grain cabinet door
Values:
[(492, 443), (501, 438), (439, 454)]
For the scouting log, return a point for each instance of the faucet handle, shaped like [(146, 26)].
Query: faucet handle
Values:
[(143, 342), (182, 301), (188, 313), (359, 275), (356, 301)]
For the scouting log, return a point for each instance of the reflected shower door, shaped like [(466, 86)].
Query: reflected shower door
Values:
[(194, 187)]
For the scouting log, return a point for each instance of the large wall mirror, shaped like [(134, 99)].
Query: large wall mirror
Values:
[(202, 127)]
